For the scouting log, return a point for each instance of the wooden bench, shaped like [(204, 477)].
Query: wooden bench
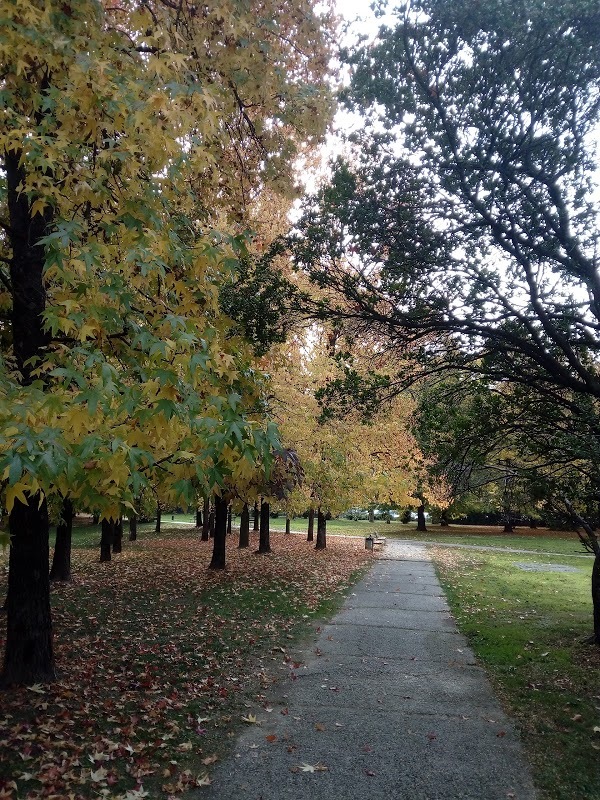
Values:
[(374, 541)]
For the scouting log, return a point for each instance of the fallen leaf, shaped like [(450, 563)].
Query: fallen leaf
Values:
[(203, 781), (210, 760), (250, 719), (271, 738), (319, 726), (318, 767), (99, 775)]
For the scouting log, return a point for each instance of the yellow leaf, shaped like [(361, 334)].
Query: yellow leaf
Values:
[(16, 492), (38, 206)]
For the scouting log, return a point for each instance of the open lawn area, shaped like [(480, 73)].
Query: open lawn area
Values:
[(536, 540), (159, 660), (527, 626)]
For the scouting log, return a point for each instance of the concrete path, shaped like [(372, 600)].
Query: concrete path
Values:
[(387, 704)]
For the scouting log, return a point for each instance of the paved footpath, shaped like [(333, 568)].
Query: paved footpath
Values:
[(389, 699)]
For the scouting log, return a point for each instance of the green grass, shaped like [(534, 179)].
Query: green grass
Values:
[(541, 540), (527, 629)]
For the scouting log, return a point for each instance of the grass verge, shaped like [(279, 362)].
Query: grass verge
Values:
[(526, 627), (160, 660)]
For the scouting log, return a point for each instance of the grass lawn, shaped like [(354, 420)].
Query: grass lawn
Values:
[(160, 660), (538, 540), (526, 628)]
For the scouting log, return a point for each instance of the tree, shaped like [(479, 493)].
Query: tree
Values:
[(493, 446), (129, 133), (264, 544), (493, 235), (218, 556), (466, 234), (244, 537), (61, 559)]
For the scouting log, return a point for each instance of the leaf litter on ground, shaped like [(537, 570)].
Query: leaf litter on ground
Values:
[(158, 659)]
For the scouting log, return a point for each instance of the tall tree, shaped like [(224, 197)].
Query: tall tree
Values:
[(474, 216), (131, 132)]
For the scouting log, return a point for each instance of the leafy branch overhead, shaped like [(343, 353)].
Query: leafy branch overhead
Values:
[(135, 139)]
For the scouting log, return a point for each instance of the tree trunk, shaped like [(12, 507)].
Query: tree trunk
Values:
[(311, 525), (229, 519), (371, 515), (61, 560), (421, 518), (117, 544), (444, 522), (96, 519), (256, 518), (205, 520), (596, 598), (264, 545), (158, 518), (244, 540), (132, 527), (198, 517), (28, 655), (287, 525), (108, 534), (532, 523), (220, 515), (508, 524), (211, 521), (29, 339), (321, 542)]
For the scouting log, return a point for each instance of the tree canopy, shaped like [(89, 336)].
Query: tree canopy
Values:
[(467, 207), (134, 137)]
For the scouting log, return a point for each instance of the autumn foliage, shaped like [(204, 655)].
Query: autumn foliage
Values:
[(158, 656)]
